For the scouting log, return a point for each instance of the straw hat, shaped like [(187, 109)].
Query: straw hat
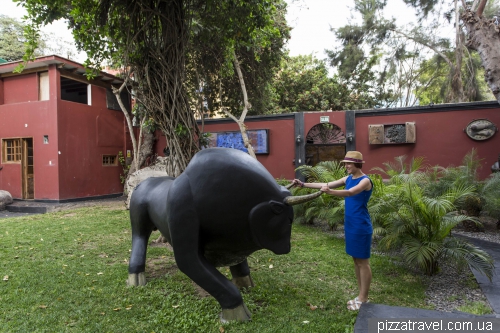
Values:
[(353, 157)]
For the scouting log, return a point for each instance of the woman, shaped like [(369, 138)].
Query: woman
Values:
[(357, 224)]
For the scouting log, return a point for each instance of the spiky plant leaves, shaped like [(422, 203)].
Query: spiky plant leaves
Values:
[(421, 254), (420, 226), (399, 172), (490, 192), (463, 253), (326, 207)]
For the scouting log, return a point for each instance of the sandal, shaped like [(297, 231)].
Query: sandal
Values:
[(354, 304)]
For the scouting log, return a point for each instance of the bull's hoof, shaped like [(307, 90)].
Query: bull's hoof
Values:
[(136, 279), (243, 282), (239, 313)]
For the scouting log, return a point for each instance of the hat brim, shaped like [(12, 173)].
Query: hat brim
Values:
[(352, 161)]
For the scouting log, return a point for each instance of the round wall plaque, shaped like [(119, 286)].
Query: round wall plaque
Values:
[(480, 129)]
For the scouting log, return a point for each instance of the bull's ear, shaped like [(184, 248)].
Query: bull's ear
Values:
[(270, 226)]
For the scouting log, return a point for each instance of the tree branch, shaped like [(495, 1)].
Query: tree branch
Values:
[(480, 8), (243, 88), (433, 48)]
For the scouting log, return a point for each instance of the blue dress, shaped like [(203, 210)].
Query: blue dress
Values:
[(357, 223)]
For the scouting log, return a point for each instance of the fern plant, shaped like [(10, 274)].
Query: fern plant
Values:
[(327, 208), (490, 193), (466, 174), (419, 227)]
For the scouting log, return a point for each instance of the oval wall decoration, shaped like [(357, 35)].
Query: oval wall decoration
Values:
[(480, 129)]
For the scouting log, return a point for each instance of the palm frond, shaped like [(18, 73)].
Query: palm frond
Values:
[(459, 251)]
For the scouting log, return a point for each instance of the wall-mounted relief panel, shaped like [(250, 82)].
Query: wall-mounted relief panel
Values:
[(480, 129), (380, 134)]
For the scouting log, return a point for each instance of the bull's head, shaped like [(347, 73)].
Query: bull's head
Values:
[(271, 222)]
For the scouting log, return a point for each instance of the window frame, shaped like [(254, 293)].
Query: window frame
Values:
[(107, 164), (16, 153)]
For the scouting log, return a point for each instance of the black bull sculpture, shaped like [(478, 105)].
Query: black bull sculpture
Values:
[(222, 208)]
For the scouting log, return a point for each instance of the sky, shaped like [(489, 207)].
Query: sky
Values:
[(311, 21)]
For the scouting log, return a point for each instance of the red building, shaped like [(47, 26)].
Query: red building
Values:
[(60, 133)]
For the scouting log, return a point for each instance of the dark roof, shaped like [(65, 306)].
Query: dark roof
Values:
[(69, 66)]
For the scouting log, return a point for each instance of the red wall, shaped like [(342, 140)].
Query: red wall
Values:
[(22, 88), (440, 138), (86, 132), (70, 165), (30, 119), (279, 161), (313, 118)]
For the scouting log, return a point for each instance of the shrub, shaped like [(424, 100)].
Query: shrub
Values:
[(326, 208), (419, 226)]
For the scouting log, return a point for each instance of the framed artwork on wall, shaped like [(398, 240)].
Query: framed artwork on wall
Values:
[(233, 139)]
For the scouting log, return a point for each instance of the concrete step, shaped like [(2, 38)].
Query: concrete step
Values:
[(29, 207)]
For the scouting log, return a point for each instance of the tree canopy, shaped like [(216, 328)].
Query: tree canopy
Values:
[(304, 83), (11, 38), (414, 59), (157, 41), (12, 41)]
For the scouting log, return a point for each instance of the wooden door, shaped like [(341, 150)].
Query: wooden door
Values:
[(320, 153), (28, 177)]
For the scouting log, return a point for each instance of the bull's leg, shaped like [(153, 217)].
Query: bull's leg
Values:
[(141, 230), (241, 275), (192, 263), (184, 232)]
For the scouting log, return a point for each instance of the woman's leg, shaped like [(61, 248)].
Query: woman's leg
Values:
[(356, 270), (364, 277)]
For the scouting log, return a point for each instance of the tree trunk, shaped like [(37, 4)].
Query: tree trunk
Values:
[(484, 37), (144, 151), (456, 79)]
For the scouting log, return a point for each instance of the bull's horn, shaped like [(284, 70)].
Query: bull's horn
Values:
[(298, 199), (289, 186)]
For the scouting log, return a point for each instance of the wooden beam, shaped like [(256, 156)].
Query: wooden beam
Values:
[(83, 78), (26, 71)]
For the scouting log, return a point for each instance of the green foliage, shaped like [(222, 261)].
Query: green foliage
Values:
[(181, 131), (327, 207), (11, 38), (476, 308), (303, 84), (15, 37), (440, 180), (125, 167), (256, 32), (489, 193), (172, 48), (67, 270), (435, 84), (400, 172), (411, 64), (415, 215)]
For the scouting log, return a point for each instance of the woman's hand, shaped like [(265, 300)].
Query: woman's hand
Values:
[(297, 182), (325, 188)]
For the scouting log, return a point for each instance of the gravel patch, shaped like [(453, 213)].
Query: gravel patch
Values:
[(450, 289)]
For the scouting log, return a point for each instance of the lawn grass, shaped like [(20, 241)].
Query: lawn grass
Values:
[(66, 272)]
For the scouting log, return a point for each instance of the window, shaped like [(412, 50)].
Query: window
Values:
[(75, 91), (43, 86), (11, 150), (109, 160)]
